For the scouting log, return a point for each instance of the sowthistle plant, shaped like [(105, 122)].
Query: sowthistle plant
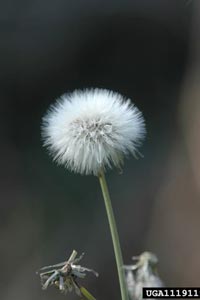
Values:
[(89, 132)]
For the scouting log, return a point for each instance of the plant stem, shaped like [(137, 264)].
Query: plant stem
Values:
[(86, 294), (114, 234)]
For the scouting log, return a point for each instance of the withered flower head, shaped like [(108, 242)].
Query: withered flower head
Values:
[(64, 276), (142, 274)]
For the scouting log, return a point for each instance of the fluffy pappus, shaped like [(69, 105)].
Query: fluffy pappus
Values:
[(92, 129)]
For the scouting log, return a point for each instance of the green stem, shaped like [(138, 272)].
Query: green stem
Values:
[(86, 294), (115, 236)]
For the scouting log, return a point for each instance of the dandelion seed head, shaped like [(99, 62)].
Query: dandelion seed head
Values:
[(92, 129)]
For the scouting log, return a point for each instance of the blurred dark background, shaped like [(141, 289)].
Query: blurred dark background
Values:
[(147, 50)]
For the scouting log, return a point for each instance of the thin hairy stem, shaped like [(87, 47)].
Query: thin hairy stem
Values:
[(115, 236)]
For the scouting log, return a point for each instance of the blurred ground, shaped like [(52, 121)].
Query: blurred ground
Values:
[(146, 50)]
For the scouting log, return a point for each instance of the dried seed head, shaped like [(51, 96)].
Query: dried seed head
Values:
[(64, 276), (142, 274)]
